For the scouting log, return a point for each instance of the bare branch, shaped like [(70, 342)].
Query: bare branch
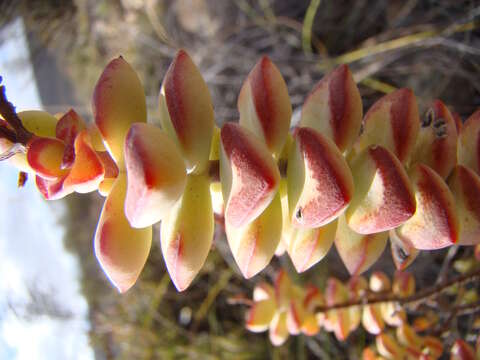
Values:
[(416, 298), (7, 110)]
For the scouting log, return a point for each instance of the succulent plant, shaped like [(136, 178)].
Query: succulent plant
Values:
[(328, 180)]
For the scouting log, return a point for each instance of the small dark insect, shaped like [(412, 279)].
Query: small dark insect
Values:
[(429, 118), (22, 179), (401, 253), (439, 124), (299, 215), (440, 128)]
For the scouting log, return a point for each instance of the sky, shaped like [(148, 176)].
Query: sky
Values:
[(31, 248)]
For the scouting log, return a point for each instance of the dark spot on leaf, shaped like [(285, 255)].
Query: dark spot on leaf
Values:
[(429, 117), (299, 215), (401, 253)]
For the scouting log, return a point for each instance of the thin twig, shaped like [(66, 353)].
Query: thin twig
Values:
[(7, 110), (6, 132), (442, 274), (418, 297), (240, 299), (468, 309)]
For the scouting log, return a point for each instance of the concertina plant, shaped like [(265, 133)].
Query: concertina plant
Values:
[(337, 177), (284, 308)]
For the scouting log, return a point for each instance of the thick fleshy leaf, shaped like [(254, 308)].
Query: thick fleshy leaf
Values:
[(465, 186), (111, 169), (337, 321), (390, 312), (436, 144), (372, 319), (392, 122), (357, 251), (217, 198), (248, 173), (312, 322), (433, 346), (186, 111), (379, 282), (355, 316), (215, 145), (308, 246), (434, 224), (320, 184), (263, 291), (283, 290), (155, 172), (287, 228), (87, 170), (388, 347), (105, 186), (38, 122), (278, 329), (44, 155), (334, 108), (458, 121), (52, 189), (403, 251), (383, 197), (357, 289), (118, 102), (187, 232), (260, 315), (288, 145), (120, 249), (393, 314), (296, 312), (281, 247), (461, 350), (305, 247), (408, 337), (67, 129), (96, 138), (253, 245), (403, 283), (264, 105), (468, 146), (310, 325), (69, 126)]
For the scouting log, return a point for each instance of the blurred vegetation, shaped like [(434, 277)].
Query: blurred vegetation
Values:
[(431, 46)]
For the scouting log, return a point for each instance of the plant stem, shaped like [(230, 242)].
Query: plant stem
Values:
[(415, 298), (19, 134)]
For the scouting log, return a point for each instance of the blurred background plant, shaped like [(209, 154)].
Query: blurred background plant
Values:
[(430, 46)]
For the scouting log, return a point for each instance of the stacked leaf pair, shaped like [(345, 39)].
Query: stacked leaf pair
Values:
[(163, 173), (64, 154)]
